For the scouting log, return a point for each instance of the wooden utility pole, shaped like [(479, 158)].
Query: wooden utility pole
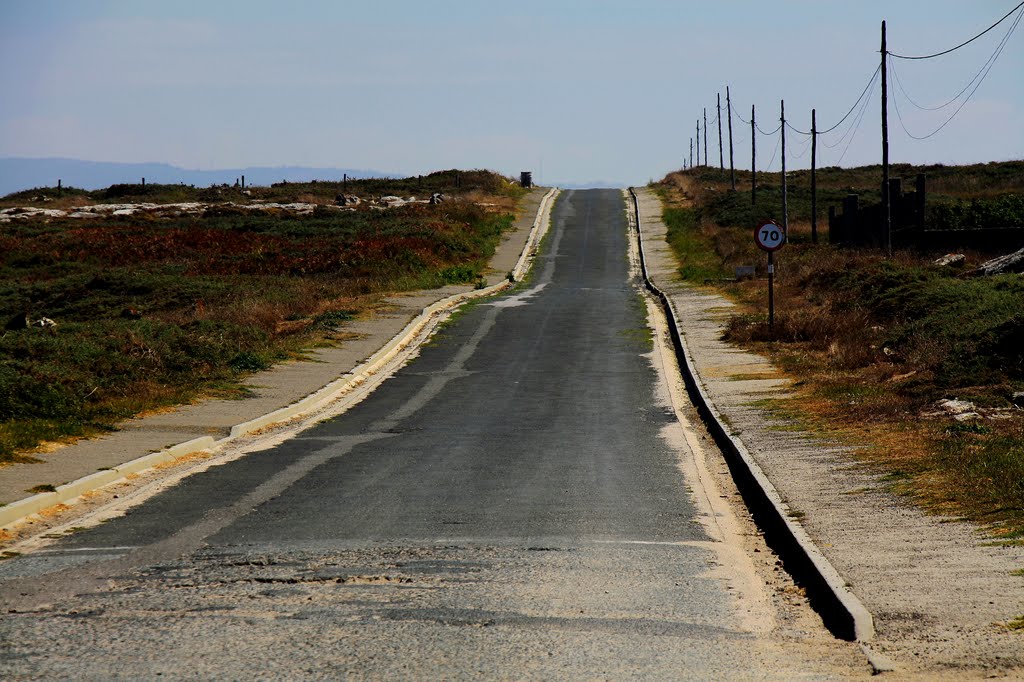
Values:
[(706, 162), (721, 158), (886, 214), (753, 156), (732, 168), (698, 141), (691, 152), (814, 177), (785, 204)]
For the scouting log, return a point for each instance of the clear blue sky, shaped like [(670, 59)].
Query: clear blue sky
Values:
[(576, 91)]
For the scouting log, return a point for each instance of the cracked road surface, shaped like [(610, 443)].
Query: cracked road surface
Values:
[(520, 501)]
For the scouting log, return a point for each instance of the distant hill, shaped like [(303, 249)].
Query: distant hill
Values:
[(17, 174)]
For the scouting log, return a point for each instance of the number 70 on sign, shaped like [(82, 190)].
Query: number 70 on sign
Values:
[(769, 236)]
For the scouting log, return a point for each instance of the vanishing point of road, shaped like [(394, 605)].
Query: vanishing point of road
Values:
[(520, 501)]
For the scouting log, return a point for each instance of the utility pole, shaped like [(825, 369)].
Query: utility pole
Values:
[(698, 141), (814, 177), (706, 163), (785, 204), (721, 158), (886, 215), (691, 152), (753, 156), (732, 168)]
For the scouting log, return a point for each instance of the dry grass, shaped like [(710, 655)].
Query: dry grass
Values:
[(153, 312), (869, 362)]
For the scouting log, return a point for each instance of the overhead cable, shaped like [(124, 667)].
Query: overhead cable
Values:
[(979, 74), (966, 42), (777, 141), (853, 130), (797, 130), (864, 101), (737, 114), (804, 146), (967, 99), (863, 94)]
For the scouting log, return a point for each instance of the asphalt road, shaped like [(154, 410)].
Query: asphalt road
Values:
[(505, 506)]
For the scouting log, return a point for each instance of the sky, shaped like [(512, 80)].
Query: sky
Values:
[(576, 91)]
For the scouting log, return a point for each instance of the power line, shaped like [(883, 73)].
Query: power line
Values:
[(863, 94), (777, 141), (803, 152), (966, 42), (854, 128), (899, 84), (737, 115), (797, 130), (967, 99), (763, 132), (982, 70), (855, 123)]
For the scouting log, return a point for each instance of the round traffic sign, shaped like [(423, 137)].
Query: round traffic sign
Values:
[(769, 236)]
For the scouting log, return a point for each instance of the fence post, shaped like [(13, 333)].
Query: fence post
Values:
[(897, 211), (850, 218), (919, 196)]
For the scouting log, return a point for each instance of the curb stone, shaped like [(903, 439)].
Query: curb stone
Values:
[(411, 335), (842, 611)]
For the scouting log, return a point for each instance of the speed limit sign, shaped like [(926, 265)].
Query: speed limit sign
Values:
[(769, 236)]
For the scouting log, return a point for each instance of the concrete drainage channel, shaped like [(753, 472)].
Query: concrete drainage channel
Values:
[(840, 609), (376, 368)]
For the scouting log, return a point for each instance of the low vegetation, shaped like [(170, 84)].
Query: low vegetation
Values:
[(875, 342), (152, 312)]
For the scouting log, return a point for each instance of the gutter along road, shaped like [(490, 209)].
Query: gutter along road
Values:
[(521, 500)]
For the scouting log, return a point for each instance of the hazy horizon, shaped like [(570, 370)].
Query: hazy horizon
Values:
[(577, 92)]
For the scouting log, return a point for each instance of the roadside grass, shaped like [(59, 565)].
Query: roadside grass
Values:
[(873, 342), (157, 312), (695, 248)]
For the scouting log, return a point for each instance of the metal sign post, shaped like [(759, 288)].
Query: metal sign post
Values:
[(770, 237)]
